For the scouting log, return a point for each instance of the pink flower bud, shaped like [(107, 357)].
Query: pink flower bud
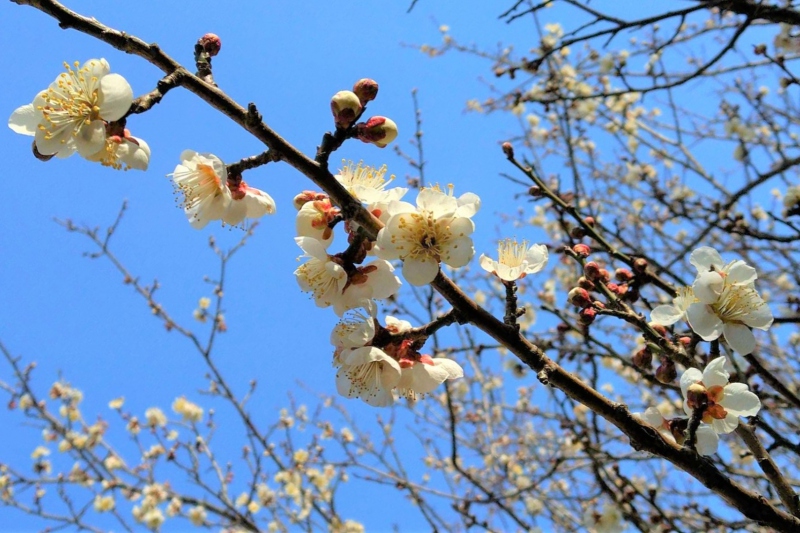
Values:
[(585, 284), (582, 250), (211, 43), (623, 274), (605, 275), (577, 232), (661, 330), (536, 191), (579, 297), (591, 270), (379, 131), (345, 107), (589, 221), (640, 265), (587, 315), (508, 150), (366, 89), (613, 287), (685, 341)]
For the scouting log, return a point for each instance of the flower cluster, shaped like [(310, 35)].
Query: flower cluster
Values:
[(722, 301), (374, 361), (78, 113)]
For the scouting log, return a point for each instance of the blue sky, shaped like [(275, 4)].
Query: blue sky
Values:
[(76, 318)]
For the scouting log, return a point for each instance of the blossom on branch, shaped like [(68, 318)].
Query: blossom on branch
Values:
[(707, 439), (368, 184), (71, 114), (247, 202), (728, 303), (335, 283), (421, 376), (368, 373), (722, 402), (123, 152), (202, 178), (666, 315), (515, 260), (438, 229)]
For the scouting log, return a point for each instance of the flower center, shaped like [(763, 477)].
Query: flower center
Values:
[(71, 103), (512, 253)]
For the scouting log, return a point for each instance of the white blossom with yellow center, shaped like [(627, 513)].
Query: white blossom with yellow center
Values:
[(202, 178), (727, 302), (368, 373), (71, 114), (368, 184), (515, 260), (437, 230)]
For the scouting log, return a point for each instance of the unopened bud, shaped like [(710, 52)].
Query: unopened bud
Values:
[(666, 371), (623, 275), (643, 359), (760, 49), (345, 107), (577, 232), (589, 221), (366, 89), (605, 275), (640, 264), (211, 43), (685, 341), (579, 297), (587, 315), (582, 250), (658, 328), (585, 283), (508, 149), (591, 270), (621, 289), (696, 396), (535, 191), (379, 131), (613, 287)]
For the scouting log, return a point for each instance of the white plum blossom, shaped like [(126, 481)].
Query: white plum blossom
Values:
[(202, 178), (313, 220), (330, 283), (725, 402), (368, 373), (437, 230), (123, 152), (707, 439), (422, 376), (609, 521), (71, 114), (355, 330), (247, 202), (515, 260), (729, 305), (666, 315), (368, 184)]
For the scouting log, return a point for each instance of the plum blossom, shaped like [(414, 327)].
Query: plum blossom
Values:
[(707, 439), (515, 260), (247, 202), (123, 152), (314, 218), (421, 376), (368, 184), (438, 229), (71, 114), (729, 305), (609, 521), (202, 178), (666, 315), (368, 373), (332, 283), (723, 402)]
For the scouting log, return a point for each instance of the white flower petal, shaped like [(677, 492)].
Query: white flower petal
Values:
[(536, 257), (759, 318), (740, 273), (739, 401), (420, 271), (115, 97), (715, 373), (690, 377), (704, 322), (727, 425), (457, 252), (708, 287), (666, 315), (707, 440), (488, 264), (91, 138), (24, 120), (739, 337), (705, 258)]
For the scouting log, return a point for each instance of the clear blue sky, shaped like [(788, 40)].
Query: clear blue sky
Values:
[(75, 317)]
